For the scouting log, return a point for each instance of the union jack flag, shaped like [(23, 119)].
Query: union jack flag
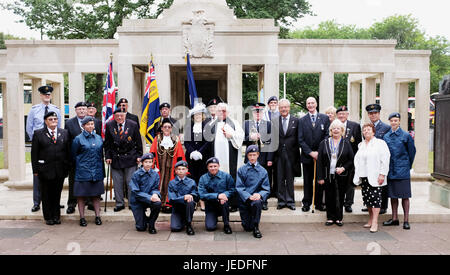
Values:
[(109, 99)]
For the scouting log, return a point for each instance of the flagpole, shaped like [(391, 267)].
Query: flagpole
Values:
[(284, 85)]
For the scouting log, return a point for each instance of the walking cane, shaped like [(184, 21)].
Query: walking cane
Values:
[(314, 188), (107, 181)]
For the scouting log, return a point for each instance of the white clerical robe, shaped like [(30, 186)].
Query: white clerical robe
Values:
[(221, 144)]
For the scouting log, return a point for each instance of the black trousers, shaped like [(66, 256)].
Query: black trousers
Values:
[(308, 178), (285, 180), (214, 209), (250, 213), (71, 200), (384, 197), (335, 188), (272, 174), (350, 192), (51, 197)]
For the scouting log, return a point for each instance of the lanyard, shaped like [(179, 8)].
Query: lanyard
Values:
[(334, 149)]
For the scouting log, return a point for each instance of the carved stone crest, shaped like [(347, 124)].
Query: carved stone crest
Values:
[(198, 36)]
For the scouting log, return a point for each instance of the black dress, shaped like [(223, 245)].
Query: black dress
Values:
[(196, 142)]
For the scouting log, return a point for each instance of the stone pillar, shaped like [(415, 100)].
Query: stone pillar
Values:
[(353, 98), (271, 81), (326, 91), (369, 94), (403, 104), (163, 82), (5, 125), (16, 134), (234, 91), (76, 91), (58, 98), (421, 126), (35, 95), (387, 95)]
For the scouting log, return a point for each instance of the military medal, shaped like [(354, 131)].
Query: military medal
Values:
[(352, 139), (334, 149), (129, 138), (322, 127)]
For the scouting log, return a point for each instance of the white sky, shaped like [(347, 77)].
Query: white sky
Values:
[(432, 15)]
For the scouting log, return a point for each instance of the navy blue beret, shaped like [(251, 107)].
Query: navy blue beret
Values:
[(272, 98), (86, 120), (49, 114), (395, 114), (252, 149), (181, 163), (212, 160), (147, 156), (45, 90)]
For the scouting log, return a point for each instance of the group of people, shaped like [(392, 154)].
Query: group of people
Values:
[(200, 163)]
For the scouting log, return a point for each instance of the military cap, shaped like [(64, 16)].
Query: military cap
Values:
[(90, 105), (164, 105), (258, 107), (373, 108), (252, 149), (147, 156), (214, 101), (181, 163), (45, 90), (86, 120), (80, 104), (272, 98), (395, 114), (119, 110), (342, 109), (49, 114), (122, 100), (212, 160)]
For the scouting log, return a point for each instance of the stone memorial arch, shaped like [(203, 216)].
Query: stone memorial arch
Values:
[(222, 48)]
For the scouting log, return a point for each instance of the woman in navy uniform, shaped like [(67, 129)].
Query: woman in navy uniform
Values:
[(145, 194), (403, 151), (183, 195), (253, 187), (50, 158), (215, 188), (334, 166), (87, 151)]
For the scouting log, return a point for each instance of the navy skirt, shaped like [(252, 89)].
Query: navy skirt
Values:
[(399, 189), (88, 188)]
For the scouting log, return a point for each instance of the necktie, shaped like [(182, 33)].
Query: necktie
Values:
[(46, 110), (270, 115), (53, 137), (313, 120), (284, 125), (257, 126), (120, 131)]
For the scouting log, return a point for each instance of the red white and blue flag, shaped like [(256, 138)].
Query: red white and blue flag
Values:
[(109, 99)]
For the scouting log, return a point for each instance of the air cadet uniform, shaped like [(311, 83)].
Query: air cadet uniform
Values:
[(209, 189), (35, 121), (143, 185), (182, 211), (251, 179)]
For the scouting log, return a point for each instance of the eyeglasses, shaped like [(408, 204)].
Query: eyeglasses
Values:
[(52, 119)]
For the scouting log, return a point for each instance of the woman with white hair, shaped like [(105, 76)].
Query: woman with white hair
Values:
[(334, 163), (197, 148)]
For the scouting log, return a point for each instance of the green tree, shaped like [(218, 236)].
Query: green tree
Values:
[(4, 37)]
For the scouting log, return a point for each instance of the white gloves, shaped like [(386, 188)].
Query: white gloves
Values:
[(196, 155)]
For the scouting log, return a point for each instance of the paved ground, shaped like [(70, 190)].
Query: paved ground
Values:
[(34, 237)]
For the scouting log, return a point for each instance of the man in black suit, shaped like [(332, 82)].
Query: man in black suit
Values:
[(313, 128), (123, 104), (50, 158), (73, 126), (352, 133), (257, 132), (123, 149), (91, 111), (288, 155)]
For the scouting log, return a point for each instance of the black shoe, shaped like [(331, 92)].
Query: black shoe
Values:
[(365, 209), (406, 226), (57, 221), (382, 211), (280, 207), (233, 209), (391, 222), (166, 209), (305, 208), (151, 230), (119, 208), (321, 208), (265, 207), (35, 208), (227, 229), (83, 222), (49, 222), (61, 206), (90, 207), (328, 223), (190, 230), (339, 223), (70, 210), (348, 209), (98, 221), (291, 207), (256, 233)]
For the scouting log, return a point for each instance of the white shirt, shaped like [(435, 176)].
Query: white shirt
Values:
[(197, 127), (371, 160), (54, 131)]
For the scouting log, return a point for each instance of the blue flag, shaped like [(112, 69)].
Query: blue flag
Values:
[(191, 83), (150, 107)]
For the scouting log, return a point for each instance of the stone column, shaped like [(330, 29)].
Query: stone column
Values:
[(387, 95), (403, 104), (76, 91), (35, 95), (58, 98), (353, 98), (326, 94), (271, 81), (163, 82), (5, 126), (369, 94), (421, 126), (234, 91), (16, 134)]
